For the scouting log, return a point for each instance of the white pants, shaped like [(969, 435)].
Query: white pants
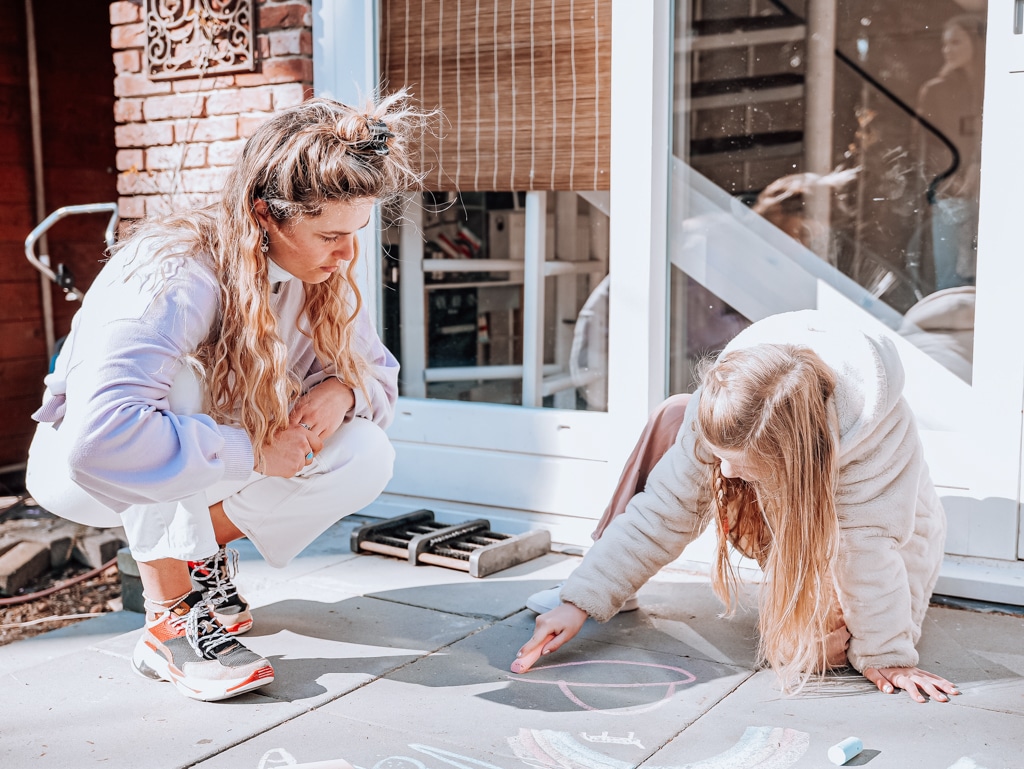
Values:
[(280, 516)]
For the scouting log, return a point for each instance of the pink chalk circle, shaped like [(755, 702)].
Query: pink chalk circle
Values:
[(566, 687)]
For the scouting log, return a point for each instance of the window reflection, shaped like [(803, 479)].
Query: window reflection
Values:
[(888, 220)]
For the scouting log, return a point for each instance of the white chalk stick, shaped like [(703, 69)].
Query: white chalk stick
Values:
[(843, 751)]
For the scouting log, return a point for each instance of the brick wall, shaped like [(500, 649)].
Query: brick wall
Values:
[(177, 138)]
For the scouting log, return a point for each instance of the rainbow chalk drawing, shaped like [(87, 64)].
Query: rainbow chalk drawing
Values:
[(674, 677), (843, 751), (760, 747)]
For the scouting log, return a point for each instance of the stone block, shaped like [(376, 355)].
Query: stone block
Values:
[(22, 564), (131, 583), (96, 549)]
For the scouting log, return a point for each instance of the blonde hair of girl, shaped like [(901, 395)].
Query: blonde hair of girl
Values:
[(302, 158), (772, 403)]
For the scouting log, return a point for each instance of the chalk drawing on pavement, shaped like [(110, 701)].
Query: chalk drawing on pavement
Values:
[(671, 679), (760, 747), (629, 739)]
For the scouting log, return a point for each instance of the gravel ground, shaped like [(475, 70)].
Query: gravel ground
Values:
[(97, 595)]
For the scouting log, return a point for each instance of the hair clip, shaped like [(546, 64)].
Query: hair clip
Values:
[(378, 141)]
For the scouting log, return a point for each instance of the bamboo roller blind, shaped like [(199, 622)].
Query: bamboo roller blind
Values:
[(523, 87)]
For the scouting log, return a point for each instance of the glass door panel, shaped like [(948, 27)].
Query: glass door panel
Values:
[(827, 153), (499, 297)]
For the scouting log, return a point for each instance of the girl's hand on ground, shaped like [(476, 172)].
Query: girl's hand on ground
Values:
[(289, 452), (324, 408), (554, 628), (914, 680)]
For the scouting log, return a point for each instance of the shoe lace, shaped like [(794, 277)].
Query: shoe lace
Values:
[(204, 634), (215, 575)]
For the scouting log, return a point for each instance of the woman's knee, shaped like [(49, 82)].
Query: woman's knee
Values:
[(362, 448)]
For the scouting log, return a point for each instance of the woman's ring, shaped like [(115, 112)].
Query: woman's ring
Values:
[(303, 424), (309, 457)]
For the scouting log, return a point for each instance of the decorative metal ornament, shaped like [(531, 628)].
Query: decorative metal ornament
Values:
[(193, 38)]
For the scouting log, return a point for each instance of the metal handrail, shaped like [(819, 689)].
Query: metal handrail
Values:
[(909, 110), (42, 262)]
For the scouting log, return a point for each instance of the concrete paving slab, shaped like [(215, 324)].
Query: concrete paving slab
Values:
[(982, 653), (462, 706), (321, 651), (320, 736), (686, 615), (596, 687), (67, 640), (755, 726), (448, 590), (91, 708), (328, 549)]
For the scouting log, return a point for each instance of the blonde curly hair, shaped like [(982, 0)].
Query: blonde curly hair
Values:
[(299, 160)]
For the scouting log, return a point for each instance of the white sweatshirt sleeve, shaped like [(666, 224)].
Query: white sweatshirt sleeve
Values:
[(657, 525), (108, 395)]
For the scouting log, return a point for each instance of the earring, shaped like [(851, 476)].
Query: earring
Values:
[(265, 242)]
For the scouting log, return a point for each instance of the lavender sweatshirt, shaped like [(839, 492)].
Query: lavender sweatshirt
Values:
[(108, 394)]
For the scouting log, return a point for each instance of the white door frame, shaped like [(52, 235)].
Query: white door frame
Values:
[(527, 466), (986, 531)]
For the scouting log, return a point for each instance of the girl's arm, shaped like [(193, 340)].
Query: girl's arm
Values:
[(655, 528), (883, 517)]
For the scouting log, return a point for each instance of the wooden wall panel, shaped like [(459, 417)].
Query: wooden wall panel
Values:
[(76, 98)]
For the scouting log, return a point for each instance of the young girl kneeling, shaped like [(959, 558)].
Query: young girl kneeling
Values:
[(801, 449)]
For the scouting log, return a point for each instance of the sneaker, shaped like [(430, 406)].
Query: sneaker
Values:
[(545, 600), (188, 647), (213, 578)]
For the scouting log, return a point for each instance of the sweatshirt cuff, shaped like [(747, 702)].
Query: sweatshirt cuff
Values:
[(861, 662), (600, 610), (236, 454)]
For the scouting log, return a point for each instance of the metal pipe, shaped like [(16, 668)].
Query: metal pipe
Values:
[(38, 235), (37, 167)]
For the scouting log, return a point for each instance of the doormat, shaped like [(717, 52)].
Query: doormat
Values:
[(470, 546)]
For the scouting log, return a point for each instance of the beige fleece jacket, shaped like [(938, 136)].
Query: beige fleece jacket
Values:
[(892, 525)]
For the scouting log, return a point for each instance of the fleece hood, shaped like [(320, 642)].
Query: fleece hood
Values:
[(869, 373)]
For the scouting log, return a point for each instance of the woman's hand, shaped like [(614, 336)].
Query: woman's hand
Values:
[(323, 409), (554, 628), (288, 452), (914, 680)]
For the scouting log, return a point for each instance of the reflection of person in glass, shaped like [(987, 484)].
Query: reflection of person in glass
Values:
[(951, 102)]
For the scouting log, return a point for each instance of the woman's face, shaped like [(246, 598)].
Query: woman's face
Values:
[(739, 464), (957, 48), (312, 248)]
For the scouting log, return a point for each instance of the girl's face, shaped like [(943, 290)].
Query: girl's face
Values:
[(738, 464), (314, 248), (957, 48)]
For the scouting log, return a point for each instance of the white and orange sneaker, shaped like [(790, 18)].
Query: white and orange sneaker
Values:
[(187, 646), (213, 577)]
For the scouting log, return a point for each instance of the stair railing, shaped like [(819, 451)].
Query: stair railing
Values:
[(902, 105)]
